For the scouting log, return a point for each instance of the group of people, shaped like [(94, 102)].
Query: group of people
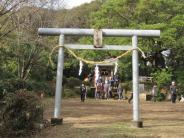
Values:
[(104, 88), (172, 89)]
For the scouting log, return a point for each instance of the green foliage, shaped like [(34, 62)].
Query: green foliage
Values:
[(114, 14), (42, 87), (5, 86), (127, 85), (162, 77), (71, 93), (165, 15), (77, 17), (160, 97), (180, 79), (91, 92), (72, 82), (20, 113), (12, 85), (24, 56)]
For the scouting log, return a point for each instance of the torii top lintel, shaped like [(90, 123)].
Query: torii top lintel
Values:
[(90, 32)]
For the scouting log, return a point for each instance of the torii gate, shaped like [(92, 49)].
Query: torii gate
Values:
[(62, 32)]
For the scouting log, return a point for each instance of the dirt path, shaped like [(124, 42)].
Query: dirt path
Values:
[(112, 119)]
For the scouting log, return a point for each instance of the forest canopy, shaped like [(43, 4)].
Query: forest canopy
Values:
[(24, 54)]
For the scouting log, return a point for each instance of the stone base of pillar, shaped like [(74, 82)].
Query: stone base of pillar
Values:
[(138, 124), (56, 121)]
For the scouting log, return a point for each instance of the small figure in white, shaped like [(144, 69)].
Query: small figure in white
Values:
[(106, 88), (120, 90), (182, 98), (173, 92), (154, 92)]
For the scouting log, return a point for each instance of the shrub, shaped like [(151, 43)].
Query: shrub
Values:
[(90, 92), (31, 85), (179, 73), (8, 85), (160, 96), (39, 86), (20, 114), (72, 82), (127, 85), (180, 89), (70, 93), (162, 77)]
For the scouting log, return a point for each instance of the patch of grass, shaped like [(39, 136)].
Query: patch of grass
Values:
[(112, 119)]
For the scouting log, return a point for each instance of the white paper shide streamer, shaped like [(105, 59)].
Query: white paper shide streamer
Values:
[(116, 68), (80, 67), (166, 54), (96, 73)]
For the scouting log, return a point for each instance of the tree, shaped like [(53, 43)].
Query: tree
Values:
[(165, 15), (7, 9), (23, 43)]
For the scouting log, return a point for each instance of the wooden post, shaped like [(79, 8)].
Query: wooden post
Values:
[(98, 39)]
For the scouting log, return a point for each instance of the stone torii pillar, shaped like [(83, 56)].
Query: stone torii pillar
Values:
[(61, 32)]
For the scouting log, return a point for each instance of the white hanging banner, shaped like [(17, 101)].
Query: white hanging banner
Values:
[(80, 67)]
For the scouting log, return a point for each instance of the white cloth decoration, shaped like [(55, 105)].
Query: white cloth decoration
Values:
[(143, 55), (148, 63), (96, 73), (116, 68), (80, 67), (166, 54)]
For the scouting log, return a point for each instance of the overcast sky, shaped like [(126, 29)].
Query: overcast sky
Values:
[(74, 3)]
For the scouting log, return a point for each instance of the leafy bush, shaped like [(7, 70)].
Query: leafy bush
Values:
[(127, 85), (20, 114), (180, 79), (90, 92), (72, 82), (17, 84), (162, 77), (9, 85), (180, 89), (160, 97), (39, 86), (70, 93)]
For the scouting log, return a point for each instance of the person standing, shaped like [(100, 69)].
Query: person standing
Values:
[(106, 88), (119, 90), (83, 92), (131, 97), (154, 92), (173, 92)]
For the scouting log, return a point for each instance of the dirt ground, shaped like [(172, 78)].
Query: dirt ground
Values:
[(113, 119)]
